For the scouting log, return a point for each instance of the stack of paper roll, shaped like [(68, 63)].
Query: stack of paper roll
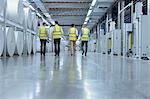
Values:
[(34, 44), (19, 36), (14, 11), (2, 5), (34, 21), (28, 17), (29, 42), (10, 39), (38, 44), (1, 40)]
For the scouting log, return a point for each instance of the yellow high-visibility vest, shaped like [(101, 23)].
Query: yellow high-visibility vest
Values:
[(57, 32), (43, 34), (85, 34), (72, 34)]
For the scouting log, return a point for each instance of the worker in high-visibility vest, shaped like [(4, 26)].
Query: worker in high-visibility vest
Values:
[(57, 34), (43, 38), (73, 34), (85, 39)]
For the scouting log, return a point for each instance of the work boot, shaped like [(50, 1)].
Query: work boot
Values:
[(85, 54), (82, 52)]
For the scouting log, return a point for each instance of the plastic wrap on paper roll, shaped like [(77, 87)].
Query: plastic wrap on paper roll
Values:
[(10, 41), (14, 11), (34, 21), (28, 16), (19, 42), (2, 5), (29, 42), (1, 41), (38, 46), (34, 44)]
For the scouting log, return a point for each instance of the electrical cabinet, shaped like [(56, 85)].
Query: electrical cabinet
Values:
[(104, 44), (127, 38), (116, 42), (145, 37), (108, 42)]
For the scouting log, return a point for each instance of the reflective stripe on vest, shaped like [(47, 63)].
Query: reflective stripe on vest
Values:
[(57, 32), (85, 36), (72, 34), (43, 34)]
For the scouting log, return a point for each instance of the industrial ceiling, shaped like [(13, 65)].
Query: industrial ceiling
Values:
[(68, 12)]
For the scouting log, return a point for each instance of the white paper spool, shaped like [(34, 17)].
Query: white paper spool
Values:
[(34, 21), (1, 41), (10, 41), (19, 36), (34, 44), (38, 44), (2, 4), (29, 43), (14, 11), (28, 16)]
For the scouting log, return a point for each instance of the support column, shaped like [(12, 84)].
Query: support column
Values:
[(98, 39), (119, 6), (25, 37), (122, 25), (148, 7), (5, 36)]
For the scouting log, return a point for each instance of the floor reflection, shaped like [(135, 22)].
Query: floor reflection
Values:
[(74, 77)]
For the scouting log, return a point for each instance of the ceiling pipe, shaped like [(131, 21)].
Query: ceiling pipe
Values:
[(68, 9), (68, 15), (67, 2)]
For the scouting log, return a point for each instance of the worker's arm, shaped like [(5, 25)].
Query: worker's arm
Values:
[(39, 31), (77, 33)]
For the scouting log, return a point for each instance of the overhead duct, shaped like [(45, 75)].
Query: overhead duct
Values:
[(14, 11), (1, 41), (10, 41), (19, 36)]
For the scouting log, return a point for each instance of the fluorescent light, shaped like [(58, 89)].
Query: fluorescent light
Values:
[(89, 12), (87, 18), (47, 15), (31, 7), (45, 21), (85, 22), (39, 14), (93, 3)]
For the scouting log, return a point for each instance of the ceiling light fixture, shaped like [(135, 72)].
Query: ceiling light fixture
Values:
[(31, 7), (90, 11)]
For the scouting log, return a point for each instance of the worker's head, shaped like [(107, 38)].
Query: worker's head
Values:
[(85, 25), (44, 24), (72, 25), (56, 22)]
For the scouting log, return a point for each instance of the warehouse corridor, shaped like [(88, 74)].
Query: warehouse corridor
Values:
[(96, 76)]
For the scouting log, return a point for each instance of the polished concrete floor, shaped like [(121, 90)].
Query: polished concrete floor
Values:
[(93, 77)]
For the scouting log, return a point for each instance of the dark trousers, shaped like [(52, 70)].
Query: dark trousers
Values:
[(57, 46), (43, 44), (86, 46)]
